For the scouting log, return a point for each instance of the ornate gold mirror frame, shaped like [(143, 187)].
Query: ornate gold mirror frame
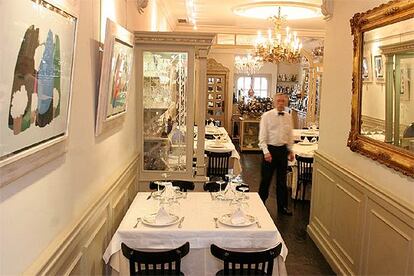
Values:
[(392, 156)]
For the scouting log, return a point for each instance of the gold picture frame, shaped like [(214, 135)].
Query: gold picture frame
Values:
[(392, 156)]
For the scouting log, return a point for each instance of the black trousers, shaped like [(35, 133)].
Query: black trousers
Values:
[(279, 164)]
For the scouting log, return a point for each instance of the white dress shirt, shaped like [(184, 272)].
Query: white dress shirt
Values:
[(276, 130)]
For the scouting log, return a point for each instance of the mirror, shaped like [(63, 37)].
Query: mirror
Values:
[(382, 122)]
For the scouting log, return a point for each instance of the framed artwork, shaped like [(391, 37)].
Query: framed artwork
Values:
[(379, 68), (405, 84), (366, 69), (35, 84), (116, 72)]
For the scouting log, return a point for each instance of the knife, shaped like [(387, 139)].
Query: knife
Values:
[(150, 195)]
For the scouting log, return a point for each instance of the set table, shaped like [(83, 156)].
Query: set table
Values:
[(199, 210)]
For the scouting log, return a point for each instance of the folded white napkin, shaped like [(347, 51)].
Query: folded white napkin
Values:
[(306, 141), (238, 217), (162, 216), (169, 191)]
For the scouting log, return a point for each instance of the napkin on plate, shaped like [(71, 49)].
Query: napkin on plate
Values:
[(238, 217), (306, 141), (162, 216)]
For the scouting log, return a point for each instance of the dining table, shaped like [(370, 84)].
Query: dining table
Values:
[(203, 223), (221, 142)]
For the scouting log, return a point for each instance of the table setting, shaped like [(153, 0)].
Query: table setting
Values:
[(154, 224)]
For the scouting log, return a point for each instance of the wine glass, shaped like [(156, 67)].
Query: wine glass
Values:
[(220, 183)]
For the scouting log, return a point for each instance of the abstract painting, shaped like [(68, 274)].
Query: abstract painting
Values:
[(36, 74), (115, 74)]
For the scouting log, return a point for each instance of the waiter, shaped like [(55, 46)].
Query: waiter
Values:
[(275, 140)]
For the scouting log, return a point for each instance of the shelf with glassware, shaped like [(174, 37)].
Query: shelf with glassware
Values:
[(165, 66)]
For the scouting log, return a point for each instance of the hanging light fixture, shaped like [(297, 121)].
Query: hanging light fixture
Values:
[(276, 49), (248, 65)]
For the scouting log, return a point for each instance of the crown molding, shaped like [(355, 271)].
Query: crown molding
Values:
[(316, 33)]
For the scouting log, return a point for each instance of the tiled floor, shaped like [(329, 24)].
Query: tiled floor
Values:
[(304, 257)]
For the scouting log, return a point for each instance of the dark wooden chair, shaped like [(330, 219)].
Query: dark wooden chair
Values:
[(217, 164), (213, 186), (305, 168), (155, 263), (240, 188), (246, 263), (183, 185)]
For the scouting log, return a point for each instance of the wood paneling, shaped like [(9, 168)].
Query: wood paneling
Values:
[(359, 228), (388, 243), (79, 249)]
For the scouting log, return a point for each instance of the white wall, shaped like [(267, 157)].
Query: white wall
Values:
[(37, 207), (335, 116)]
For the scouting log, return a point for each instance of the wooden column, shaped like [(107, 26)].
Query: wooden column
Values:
[(200, 116), (389, 87)]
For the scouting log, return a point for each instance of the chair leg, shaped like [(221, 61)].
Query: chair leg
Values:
[(304, 191), (296, 194)]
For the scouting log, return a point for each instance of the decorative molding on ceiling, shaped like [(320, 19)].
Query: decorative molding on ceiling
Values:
[(327, 9), (247, 31)]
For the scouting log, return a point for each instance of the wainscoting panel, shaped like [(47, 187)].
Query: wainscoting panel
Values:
[(347, 218), (79, 249), (360, 229), (322, 196), (388, 241)]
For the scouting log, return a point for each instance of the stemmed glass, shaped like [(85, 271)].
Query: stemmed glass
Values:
[(220, 193)]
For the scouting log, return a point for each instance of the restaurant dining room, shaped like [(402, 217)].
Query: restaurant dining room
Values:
[(207, 137)]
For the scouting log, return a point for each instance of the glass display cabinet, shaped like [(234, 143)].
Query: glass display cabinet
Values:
[(165, 64)]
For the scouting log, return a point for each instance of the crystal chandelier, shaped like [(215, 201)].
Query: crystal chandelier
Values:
[(277, 49), (248, 65)]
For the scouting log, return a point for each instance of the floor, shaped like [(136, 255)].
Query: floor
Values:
[(304, 257)]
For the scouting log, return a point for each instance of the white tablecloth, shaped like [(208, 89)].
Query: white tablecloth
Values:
[(305, 151), (199, 229), (224, 145)]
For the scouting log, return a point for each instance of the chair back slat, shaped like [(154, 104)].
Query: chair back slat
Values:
[(246, 262), (150, 260), (218, 163)]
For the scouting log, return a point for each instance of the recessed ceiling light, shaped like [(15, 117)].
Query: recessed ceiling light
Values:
[(290, 10)]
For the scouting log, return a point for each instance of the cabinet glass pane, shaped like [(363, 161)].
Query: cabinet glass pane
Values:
[(165, 85)]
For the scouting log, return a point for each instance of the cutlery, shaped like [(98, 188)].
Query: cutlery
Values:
[(136, 224), (258, 223), (180, 223), (215, 222), (150, 195)]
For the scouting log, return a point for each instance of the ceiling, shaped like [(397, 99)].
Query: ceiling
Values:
[(217, 16)]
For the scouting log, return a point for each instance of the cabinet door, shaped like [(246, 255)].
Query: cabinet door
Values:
[(216, 93), (166, 106)]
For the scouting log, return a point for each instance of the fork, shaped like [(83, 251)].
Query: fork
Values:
[(215, 222), (136, 224)]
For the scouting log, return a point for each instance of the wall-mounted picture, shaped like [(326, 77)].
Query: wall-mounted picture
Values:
[(366, 69), (379, 68), (115, 75), (405, 84), (37, 58)]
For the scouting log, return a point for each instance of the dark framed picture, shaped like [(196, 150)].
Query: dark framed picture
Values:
[(379, 68)]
